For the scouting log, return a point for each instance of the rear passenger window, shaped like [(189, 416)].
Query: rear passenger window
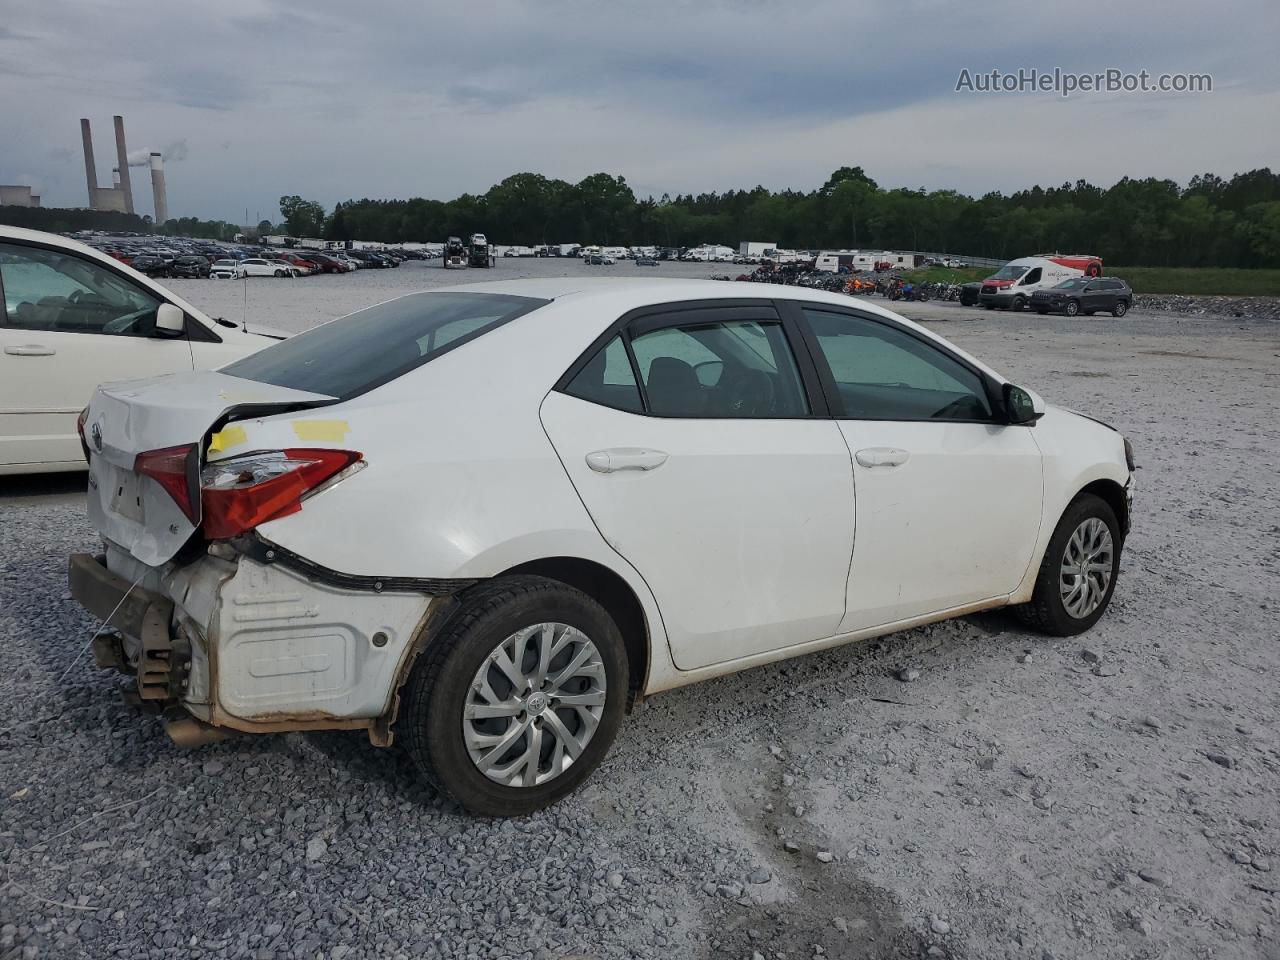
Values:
[(729, 369), (607, 379)]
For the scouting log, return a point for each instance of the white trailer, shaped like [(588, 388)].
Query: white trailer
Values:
[(756, 248), (830, 261)]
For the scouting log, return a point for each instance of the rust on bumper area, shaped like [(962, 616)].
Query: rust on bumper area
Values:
[(137, 613)]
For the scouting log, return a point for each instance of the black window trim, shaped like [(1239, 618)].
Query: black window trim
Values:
[(677, 313), (993, 388), (193, 328)]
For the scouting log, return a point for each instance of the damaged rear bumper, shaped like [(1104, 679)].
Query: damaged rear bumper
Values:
[(132, 611), (238, 642)]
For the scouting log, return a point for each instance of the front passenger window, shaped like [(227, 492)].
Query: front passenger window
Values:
[(57, 291), (884, 373)]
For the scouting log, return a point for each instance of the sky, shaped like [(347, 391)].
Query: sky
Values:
[(333, 99)]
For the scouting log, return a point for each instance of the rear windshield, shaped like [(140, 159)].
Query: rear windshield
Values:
[(356, 353)]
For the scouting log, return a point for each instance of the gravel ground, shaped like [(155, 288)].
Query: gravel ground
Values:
[(1111, 796)]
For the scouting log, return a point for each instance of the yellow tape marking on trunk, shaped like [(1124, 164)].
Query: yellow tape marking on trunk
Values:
[(321, 431), (226, 439)]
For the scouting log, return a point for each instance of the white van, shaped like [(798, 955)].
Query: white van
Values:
[(1012, 285)]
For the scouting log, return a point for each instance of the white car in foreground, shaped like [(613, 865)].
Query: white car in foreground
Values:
[(71, 318), (488, 519)]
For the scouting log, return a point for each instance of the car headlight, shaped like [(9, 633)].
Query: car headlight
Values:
[(1128, 455)]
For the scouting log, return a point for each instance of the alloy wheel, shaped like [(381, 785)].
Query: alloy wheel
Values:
[(534, 705), (1087, 564)]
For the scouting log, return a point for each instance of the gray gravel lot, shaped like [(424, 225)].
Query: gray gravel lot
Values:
[(1111, 796)]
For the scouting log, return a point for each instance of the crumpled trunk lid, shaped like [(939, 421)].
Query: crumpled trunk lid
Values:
[(131, 417)]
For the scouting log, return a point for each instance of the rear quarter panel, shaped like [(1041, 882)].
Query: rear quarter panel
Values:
[(461, 480)]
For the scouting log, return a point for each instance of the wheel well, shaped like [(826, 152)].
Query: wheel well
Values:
[(1113, 494), (615, 595)]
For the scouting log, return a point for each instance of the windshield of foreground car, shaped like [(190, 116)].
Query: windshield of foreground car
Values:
[(1008, 272), (354, 354), (1074, 284)]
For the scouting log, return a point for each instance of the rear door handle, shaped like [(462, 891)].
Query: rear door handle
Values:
[(625, 458), (882, 457), (30, 350)]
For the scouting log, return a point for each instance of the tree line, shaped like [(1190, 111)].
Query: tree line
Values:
[(1211, 221)]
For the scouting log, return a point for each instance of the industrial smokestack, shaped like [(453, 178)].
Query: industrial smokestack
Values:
[(122, 160), (90, 171), (157, 189)]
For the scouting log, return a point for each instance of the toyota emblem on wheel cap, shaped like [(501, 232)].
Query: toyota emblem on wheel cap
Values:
[(96, 432)]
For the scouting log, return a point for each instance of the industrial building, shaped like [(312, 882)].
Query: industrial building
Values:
[(18, 195), (119, 196)]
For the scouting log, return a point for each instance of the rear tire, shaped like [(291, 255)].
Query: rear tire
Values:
[(445, 738), (279, 273), (1121, 309), (1060, 584)]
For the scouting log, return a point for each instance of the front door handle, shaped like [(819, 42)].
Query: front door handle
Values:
[(882, 457), (30, 350), (625, 458)]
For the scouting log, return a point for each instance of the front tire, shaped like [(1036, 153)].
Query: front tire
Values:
[(1019, 303), (518, 699), (1078, 573), (1072, 308)]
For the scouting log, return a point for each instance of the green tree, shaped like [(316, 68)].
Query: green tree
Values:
[(302, 218)]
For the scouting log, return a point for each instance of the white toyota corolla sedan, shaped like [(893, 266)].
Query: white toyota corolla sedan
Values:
[(488, 519)]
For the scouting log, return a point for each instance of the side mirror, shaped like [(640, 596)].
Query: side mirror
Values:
[(170, 321), (1021, 405)]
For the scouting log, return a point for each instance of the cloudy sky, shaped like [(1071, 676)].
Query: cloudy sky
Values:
[(335, 99)]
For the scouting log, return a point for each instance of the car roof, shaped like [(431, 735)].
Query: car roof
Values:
[(625, 294)]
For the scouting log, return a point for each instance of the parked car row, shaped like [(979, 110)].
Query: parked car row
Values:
[(165, 257)]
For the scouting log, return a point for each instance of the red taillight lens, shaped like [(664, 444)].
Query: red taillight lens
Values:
[(239, 494), (170, 468)]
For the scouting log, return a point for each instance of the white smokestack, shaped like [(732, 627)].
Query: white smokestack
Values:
[(157, 188)]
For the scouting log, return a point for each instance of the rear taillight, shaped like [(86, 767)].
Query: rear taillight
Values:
[(241, 493), (84, 441), (173, 469)]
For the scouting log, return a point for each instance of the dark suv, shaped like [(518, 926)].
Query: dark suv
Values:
[(190, 267), (1086, 295), (151, 265)]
